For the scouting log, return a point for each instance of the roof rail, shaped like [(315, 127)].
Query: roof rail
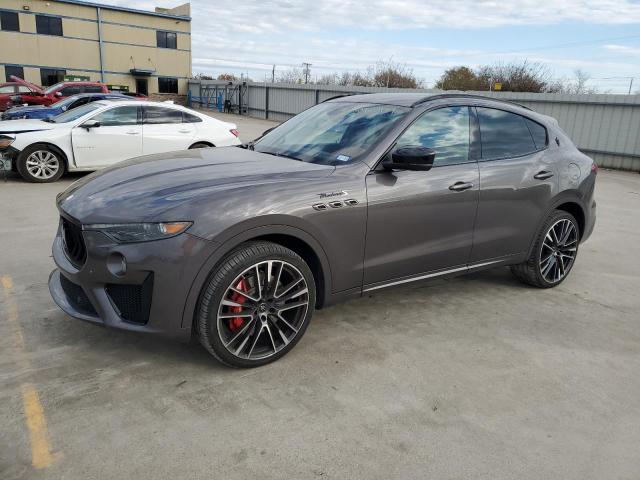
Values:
[(464, 95), (339, 96)]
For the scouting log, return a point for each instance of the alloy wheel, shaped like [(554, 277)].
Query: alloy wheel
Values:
[(42, 164), (263, 309), (558, 251)]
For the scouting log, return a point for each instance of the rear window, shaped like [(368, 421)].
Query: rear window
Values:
[(504, 134)]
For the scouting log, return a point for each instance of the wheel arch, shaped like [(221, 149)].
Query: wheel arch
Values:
[(205, 142), (298, 240), (60, 151)]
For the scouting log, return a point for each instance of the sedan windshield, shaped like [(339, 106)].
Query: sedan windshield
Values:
[(331, 133), (76, 113)]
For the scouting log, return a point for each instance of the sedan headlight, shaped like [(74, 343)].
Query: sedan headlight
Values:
[(5, 141), (139, 232)]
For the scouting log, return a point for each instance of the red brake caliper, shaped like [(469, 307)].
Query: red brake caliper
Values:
[(236, 323)]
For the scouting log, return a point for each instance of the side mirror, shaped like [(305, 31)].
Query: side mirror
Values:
[(89, 124), (58, 94), (410, 157)]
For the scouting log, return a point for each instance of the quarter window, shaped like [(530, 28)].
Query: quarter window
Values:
[(10, 70), (46, 25), (166, 40), (50, 76), (167, 85), (445, 130), (538, 132), (116, 117), (9, 21), (503, 134), (159, 115), (188, 118)]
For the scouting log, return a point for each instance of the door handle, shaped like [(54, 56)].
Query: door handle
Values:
[(184, 131), (132, 133), (460, 186), (543, 175)]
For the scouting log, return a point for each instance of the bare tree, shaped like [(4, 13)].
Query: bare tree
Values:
[(228, 77), (293, 75)]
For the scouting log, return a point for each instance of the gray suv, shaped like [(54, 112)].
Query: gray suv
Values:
[(238, 246)]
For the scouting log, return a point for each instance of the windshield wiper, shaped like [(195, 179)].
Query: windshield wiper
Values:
[(278, 154), (48, 120), (248, 145)]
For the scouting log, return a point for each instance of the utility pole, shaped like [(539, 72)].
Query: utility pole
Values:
[(630, 85), (273, 74), (306, 70)]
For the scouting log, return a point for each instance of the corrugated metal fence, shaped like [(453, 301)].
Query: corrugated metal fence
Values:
[(605, 127)]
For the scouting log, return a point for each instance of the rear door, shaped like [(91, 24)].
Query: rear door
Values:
[(422, 221), (517, 181), (119, 137), (164, 131)]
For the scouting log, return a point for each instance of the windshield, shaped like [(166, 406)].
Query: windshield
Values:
[(53, 88), (64, 104), (76, 113), (331, 133)]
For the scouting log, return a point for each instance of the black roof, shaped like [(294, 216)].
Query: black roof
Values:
[(413, 99)]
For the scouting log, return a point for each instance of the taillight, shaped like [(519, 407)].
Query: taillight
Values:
[(594, 167), (235, 132)]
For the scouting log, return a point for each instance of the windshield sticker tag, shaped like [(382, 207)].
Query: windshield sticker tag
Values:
[(343, 158)]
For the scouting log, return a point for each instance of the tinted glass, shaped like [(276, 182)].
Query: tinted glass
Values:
[(125, 115), (166, 40), (51, 77), (538, 132), (332, 133), (188, 118), (159, 115), (46, 25), (167, 85), (445, 130), (69, 91), (92, 89), (12, 70), (503, 134), (9, 21)]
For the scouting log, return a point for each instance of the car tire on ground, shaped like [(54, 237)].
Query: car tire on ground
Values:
[(200, 145), (553, 254), (256, 305), (41, 164)]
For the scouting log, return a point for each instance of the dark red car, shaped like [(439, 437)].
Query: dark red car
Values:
[(11, 89), (50, 95)]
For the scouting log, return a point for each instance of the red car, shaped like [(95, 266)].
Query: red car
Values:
[(11, 89), (52, 94)]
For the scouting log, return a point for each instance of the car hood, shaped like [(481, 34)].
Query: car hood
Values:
[(24, 126), (29, 85), (145, 188), (30, 108)]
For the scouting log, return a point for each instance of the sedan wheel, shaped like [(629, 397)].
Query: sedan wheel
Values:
[(40, 164), (558, 250), (257, 305)]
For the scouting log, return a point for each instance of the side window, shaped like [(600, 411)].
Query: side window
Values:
[(92, 89), (445, 130), (79, 102), (167, 85), (126, 115), (9, 22), (159, 115), (50, 76), (538, 132), (69, 91), (503, 134), (10, 70), (47, 25), (188, 118)]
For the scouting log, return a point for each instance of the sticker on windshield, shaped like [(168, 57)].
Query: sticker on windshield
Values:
[(343, 158)]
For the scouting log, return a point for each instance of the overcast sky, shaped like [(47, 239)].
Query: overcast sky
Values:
[(601, 37)]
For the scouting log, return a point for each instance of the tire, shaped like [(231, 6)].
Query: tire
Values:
[(41, 164), (246, 323), (200, 145), (551, 259)]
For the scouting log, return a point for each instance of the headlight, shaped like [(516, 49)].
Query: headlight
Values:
[(5, 141), (139, 232)]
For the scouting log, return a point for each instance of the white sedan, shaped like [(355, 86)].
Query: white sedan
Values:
[(102, 133)]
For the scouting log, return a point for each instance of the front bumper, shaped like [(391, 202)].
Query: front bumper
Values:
[(161, 272)]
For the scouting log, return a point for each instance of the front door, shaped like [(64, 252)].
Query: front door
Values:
[(142, 86), (518, 178), (422, 221), (117, 138)]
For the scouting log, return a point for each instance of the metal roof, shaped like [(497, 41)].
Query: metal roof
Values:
[(124, 9)]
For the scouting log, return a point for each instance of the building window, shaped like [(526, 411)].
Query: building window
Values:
[(10, 70), (49, 76), (46, 25), (167, 40), (167, 85), (9, 21)]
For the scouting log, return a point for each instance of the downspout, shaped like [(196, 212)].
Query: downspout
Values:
[(99, 15)]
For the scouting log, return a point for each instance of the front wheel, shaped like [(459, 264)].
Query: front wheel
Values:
[(257, 305), (553, 253), (40, 164)]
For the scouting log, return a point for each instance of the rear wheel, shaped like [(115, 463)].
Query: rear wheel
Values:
[(256, 306), (40, 164), (553, 254)]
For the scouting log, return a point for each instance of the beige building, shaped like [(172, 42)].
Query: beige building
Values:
[(46, 41)]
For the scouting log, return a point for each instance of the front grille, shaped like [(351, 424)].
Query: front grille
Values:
[(76, 296), (133, 302), (73, 243)]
